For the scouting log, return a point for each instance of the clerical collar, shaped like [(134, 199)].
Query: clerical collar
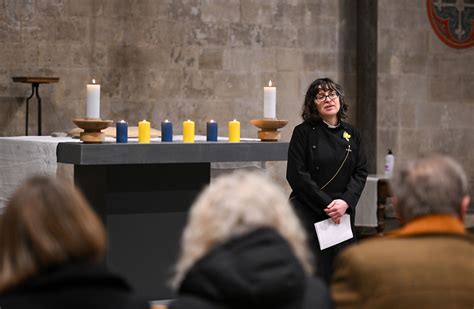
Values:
[(330, 126)]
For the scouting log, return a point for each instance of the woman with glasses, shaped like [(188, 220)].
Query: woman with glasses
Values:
[(327, 167)]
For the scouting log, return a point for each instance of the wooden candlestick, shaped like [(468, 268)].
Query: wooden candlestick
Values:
[(269, 128), (92, 129)]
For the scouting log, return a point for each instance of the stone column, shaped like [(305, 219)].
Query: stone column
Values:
[(366, 64)]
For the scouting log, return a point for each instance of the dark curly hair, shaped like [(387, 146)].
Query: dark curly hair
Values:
[(310, 112)]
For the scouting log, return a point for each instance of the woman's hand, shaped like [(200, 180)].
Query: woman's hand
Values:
[(336, 209)]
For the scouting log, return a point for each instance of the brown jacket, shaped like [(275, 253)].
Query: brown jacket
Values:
[(429, 263)]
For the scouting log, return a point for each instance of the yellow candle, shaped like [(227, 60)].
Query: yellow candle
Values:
[(144, 132), (234, 131), (188, 131)]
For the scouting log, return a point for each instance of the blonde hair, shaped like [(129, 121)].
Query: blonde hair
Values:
[(46, 222), (233, 205)]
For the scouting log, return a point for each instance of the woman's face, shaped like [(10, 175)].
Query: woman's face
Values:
[(327, 104)]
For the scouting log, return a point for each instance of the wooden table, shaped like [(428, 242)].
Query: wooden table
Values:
[(35, 82)]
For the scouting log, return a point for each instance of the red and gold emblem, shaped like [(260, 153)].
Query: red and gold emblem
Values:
[(453, 21)]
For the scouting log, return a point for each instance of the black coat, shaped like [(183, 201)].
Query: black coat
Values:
[(256, 270), (74, 285), (314, 155)]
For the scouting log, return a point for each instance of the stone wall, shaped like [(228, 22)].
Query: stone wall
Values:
[(203, 59), (425, 88), (174, 59)]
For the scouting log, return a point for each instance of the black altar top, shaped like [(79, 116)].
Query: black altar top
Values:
[(175, 152)]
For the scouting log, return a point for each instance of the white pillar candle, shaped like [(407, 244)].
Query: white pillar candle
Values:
[(93, 100), (269, 101)]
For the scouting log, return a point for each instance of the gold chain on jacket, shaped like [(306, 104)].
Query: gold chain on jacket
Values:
[(348, 150)]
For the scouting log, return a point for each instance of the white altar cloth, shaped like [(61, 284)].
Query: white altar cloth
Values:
[(24, 156), (366, 209)]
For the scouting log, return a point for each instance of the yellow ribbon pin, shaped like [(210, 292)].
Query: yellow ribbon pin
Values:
[(346, 136)]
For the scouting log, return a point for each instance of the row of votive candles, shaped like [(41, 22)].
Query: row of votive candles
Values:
[(167, 131)]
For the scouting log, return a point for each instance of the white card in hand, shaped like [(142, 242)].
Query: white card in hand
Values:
[(330, 233)]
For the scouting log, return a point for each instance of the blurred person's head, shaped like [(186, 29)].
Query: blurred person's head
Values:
[(433, 184), (233, 205), (45, 223)]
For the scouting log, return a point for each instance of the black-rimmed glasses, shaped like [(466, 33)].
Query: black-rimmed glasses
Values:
[(321, 97)]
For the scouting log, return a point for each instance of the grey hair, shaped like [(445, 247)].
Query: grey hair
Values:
[(235, 204), (434, 184)]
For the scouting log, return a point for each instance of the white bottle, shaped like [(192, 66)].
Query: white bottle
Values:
[(389, 164)]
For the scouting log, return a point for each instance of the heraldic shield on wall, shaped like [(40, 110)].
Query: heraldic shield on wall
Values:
[(453, 21)]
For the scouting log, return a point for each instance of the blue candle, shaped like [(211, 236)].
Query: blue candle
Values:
[(211, 131), (166, 131), (122, 131)]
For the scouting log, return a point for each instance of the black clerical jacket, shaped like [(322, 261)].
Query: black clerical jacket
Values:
[(315, 154)]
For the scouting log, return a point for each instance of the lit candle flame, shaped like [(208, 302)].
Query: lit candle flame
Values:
[(270, 83), (93, 81)]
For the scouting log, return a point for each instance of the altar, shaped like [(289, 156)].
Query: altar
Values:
[(143, 193)]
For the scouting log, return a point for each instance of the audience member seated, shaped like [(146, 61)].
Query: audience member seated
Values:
[(243, 247), (51, 250), (429, 261)]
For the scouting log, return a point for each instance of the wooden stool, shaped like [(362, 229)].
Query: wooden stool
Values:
[(35, 82)]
